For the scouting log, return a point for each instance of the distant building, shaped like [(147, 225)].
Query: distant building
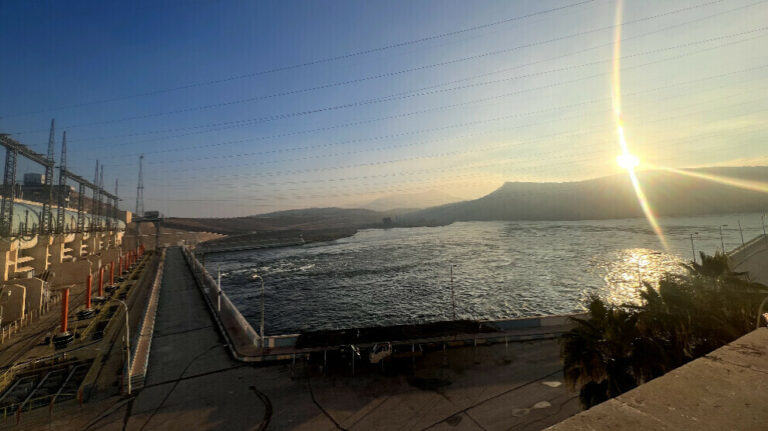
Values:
[(33, 189), (33, 179)]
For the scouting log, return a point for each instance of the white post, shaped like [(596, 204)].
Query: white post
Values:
[(127, 347), (218, 293), (693, 249), (261, 326), (722, 244)]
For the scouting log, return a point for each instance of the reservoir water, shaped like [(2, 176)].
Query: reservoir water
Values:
[(500, 270)]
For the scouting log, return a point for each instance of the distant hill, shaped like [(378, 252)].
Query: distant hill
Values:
[(610, 197), (411, 201), (301, 220)]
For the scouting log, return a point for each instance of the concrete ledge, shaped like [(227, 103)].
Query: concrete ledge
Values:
[(726, 389), (143, 343), (239, 335)]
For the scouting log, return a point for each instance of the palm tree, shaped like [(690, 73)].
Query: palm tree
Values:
[(597, 353), (619, 347)]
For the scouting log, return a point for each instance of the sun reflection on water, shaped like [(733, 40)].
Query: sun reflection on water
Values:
[(624, 276)]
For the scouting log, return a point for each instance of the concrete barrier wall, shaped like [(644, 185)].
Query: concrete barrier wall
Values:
[(239, 332), (744, 252), (142, 339)]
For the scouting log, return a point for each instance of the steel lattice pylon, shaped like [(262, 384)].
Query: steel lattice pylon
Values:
[(100, 185), (80, 209), (140, 189), (62, 185), (46, 215), (114, 203), (94, 202), (9, 186)]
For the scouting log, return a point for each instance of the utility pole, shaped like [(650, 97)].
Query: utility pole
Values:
[(94, 208), (9, 191), (693, 249), (741, 232), (46, 214), (140, 189), (722, 244), (101, 196)]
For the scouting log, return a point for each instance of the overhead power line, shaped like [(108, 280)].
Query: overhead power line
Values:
[(417, 143), (391, 161), (433, 65), (313, 62), (553, 159), (430, 91)]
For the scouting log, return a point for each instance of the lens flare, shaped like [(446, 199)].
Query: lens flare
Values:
[(626, 160), (756, 186)]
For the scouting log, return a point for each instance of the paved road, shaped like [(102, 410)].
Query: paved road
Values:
[(192, 383)]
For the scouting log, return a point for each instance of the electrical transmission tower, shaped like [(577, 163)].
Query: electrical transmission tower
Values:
[(46, 215), (140, 190), (102, 207), (94, 203), (62, 185)]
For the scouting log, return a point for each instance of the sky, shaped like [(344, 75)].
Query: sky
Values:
[(243, 107)]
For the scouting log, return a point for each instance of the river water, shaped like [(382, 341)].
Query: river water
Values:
[(500, 270)]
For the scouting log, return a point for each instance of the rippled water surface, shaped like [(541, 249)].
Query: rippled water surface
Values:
[(500, 270)]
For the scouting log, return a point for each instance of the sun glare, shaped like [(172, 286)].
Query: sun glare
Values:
[(627, 161)]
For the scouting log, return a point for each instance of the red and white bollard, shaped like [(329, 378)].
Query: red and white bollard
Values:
[(101, 281), (63, 338), (88, 312), (88, 291), (65, 310)]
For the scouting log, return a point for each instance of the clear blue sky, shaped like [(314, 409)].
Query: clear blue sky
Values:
[(523, 100)]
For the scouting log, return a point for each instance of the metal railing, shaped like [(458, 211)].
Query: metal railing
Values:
[(226, 311)]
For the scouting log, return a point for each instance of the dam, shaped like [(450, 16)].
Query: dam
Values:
[(111, 321)]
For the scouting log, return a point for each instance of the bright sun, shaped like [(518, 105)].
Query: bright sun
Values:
[(628, 161)]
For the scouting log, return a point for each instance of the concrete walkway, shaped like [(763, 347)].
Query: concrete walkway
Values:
[(191, 383)]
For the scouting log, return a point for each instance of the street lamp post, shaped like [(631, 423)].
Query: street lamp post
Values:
[(722, 244), (741, 233), (693, 248), (218, 293), (261, 326)]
